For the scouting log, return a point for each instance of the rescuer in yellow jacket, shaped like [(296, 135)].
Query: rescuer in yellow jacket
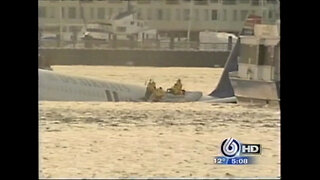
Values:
[(151, 87), (177, 88), (158, 94)]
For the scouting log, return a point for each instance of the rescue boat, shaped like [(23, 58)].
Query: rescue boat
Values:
[(188, 96)]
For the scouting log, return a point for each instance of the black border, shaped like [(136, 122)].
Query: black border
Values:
[(296, 87), (21, 33), (23, 54)]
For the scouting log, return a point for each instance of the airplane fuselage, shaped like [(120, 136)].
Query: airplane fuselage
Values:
[(59, 87), (55, 86)]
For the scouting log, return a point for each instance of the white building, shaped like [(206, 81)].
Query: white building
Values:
[(167, 16)]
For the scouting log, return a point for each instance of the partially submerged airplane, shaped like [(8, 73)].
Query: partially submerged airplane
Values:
[(55, 86)]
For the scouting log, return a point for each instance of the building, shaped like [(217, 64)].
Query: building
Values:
[(175, 17)]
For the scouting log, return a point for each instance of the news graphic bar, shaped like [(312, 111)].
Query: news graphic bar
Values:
[(243, 160)]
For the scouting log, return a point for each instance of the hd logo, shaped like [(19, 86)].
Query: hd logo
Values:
[(250, 149), (233, 151)]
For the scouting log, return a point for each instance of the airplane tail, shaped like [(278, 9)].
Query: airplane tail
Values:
[(224, 88)]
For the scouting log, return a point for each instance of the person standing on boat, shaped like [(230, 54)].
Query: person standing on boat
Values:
[(177, 88), (151, 87)]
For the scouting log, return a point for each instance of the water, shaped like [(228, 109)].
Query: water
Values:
[(128, 139)]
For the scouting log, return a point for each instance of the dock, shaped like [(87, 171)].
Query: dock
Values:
[(163, 57)]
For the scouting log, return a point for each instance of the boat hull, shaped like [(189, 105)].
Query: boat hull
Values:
[(189, 96), (255, 91)]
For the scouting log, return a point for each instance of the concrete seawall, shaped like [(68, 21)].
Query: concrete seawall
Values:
[(160, 58)]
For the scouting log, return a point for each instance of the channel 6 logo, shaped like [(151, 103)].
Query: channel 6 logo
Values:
[(231, 147), (234, 152)]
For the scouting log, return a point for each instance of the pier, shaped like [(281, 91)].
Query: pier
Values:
[(134, 57), (160, 54)]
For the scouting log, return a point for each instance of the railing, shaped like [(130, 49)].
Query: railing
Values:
[(142, 45)]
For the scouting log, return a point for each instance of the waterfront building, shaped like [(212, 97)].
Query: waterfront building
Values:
[(177, 17)]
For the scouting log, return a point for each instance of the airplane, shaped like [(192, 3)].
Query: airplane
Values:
[(54, 86)]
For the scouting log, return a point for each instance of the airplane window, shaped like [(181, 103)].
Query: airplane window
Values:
[(83, 82), (109, 97), (87, 82), (116, 97)]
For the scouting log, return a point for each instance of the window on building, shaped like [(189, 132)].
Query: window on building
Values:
[(110, 12), (214, 15), (271, 1), (263, 58), (144, 1), (121, 29), (63, 15), (51, 12), (225, 18), (139, 14), (244, 1), (149, 14), (64, 29), (172, 1), (115, 1), (168, 14), (255, 2), (92, 13), (264, 14), (81, 12), (214, 1), (270, 14), (200, 2), (178, 14), (159, 14), (42, 12), (277, 15), (206, 14), (72, 12), (186, 14), (235, 15), (75, 28), (228, 2), (101, 13), (196, 14), (243, 14)]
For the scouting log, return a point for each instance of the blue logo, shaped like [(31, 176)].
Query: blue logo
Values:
[(233, 151)]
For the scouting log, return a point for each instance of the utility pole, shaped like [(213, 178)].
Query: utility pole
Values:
[(60, 18), (82, 15), (190, 20)]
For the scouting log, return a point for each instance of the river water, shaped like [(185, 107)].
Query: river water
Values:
[(130, 139)]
